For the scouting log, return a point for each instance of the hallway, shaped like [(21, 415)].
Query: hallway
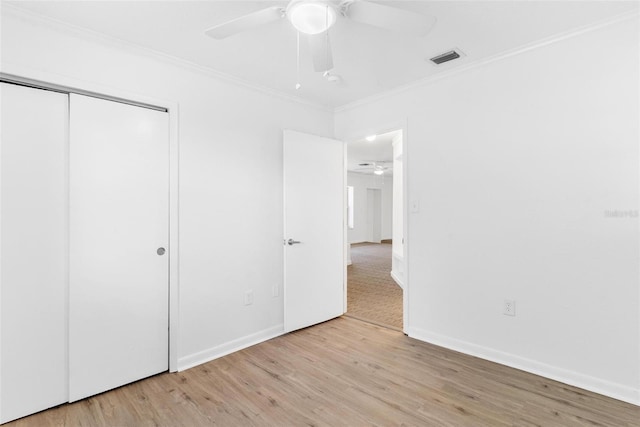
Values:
[(372, 295)]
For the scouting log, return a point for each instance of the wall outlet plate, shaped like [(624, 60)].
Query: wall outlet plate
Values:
[(509, 307), (248, 297)]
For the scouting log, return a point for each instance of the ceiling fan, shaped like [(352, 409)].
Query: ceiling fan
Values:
[(377, 167), (313, 19)]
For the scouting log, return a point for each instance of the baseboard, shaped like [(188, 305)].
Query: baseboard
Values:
[(397, 268), (397, 279), (389, 241), (596, 385), (204, 356)]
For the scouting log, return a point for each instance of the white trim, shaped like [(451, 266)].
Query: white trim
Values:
[(1, 229), (638, 284), (104, 39), (405, 226), (490, 59), (395, 141), (596, 385), (230, 347), (284, 232), (97, 37), (67, 249), (397, 276), (346, 246), (174, 235), (402, 125), (390, 126), (396, 279), (172, 111)]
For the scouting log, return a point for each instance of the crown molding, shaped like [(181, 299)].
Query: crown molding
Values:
[(114, 42), (110, 41), (634, 14)]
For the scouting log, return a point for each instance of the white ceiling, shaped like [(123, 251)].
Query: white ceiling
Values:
[(370, 60), (379, 151)]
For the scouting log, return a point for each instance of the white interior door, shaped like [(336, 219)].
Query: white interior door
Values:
[(33, 230), (118, 318), (314, 201)]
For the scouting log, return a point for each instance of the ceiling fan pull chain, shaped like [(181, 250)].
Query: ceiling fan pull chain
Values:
[(298, 60)]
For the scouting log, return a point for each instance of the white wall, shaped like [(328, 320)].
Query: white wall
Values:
[(515, 164), (360, 183), (230, 140)]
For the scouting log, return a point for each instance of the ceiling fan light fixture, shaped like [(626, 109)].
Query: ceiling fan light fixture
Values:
[(378, 172), (311, 17)]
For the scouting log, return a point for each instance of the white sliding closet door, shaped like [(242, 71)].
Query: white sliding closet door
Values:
[(119, 218), (33, 258)]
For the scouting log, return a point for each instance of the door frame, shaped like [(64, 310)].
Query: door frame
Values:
[(401, 125), (61, 83)]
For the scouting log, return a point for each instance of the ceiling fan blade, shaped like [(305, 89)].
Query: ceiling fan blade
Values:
[(246, 22), (390, 18), (321, 52)]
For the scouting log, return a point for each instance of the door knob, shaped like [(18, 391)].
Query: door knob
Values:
[(292, 242), (161, 251)]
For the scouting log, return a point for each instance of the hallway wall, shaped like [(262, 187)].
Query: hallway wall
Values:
[(360, 183)]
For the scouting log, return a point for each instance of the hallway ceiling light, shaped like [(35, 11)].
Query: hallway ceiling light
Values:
[(378, 172), (371, 138)]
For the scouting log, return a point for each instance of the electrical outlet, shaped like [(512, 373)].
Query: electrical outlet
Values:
[(275, 291), (248, 297), (509, 307)]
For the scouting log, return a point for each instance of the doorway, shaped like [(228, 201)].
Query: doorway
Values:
[(375, 230)]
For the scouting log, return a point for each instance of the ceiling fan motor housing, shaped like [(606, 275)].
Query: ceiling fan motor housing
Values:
[(312, 16)]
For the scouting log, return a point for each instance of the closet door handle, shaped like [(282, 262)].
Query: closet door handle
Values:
[(160, 251), (292, 242)]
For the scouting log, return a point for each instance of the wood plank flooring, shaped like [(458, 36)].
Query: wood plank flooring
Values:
[(344, 372)]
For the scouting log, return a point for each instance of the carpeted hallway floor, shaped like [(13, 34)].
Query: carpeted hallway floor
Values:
[(372, 295)]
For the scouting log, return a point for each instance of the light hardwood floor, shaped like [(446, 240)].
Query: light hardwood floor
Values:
[(344, 372)]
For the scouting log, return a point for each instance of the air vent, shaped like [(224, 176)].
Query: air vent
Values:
[(445, 57)]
